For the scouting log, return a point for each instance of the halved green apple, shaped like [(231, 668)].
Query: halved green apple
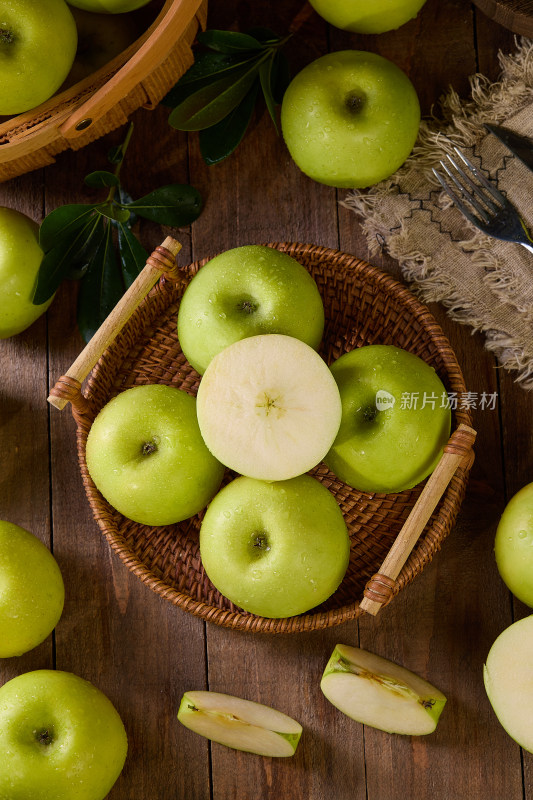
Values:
[(508, 681), (241, 724), (372, 690)]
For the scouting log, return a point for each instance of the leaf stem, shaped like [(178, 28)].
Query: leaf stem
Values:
[(116, 171)]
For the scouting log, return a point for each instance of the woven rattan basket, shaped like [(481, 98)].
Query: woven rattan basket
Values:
[(140, 76), (363, 306)]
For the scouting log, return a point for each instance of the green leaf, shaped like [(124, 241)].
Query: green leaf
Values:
[(265, 36), (100, 289), (101, 178), (212, 103), (229, 41), (62, 222), (133, 256), (207, 68), (265, 76), (70, 254), (114, 211), (174, 205), (219, 141)]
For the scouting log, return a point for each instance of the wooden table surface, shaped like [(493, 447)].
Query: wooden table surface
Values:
[(142, 651)]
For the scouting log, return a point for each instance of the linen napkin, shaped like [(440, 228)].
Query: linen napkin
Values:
[(484, 283)]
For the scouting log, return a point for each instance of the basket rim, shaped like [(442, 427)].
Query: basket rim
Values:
[(312, 620)]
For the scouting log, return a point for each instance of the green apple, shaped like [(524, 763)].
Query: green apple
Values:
[(513, 545), (360, 16), (507, 678), (243, 292), (350, 119), (241, 724), (20, 259), (31, 591), (62, 738), (37, 47), (146, 456), (275, 549), (109, 6), (377, 692), (268, 407), (396, 419)]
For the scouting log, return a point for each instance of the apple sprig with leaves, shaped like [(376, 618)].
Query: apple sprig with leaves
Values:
[(95, 242), (218, 94)]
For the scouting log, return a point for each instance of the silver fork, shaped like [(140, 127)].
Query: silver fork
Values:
[(481, 202)]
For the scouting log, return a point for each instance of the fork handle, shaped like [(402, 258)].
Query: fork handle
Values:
[(527, 246)]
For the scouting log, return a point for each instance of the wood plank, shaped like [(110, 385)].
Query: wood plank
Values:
[(24, 466), (424, 629), (140, 650)]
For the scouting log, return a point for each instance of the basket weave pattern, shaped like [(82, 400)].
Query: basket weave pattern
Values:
[(363, 306)]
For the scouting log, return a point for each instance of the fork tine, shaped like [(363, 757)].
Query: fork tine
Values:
[(476, 189), (479, 175), (456, 199), (483, 213)]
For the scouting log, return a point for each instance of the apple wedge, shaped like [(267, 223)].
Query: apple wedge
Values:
[(268, 407), (508, 681), (372, 690), (241, 724)]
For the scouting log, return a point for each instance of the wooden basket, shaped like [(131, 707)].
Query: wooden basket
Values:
[(390, 540), (140, 76)]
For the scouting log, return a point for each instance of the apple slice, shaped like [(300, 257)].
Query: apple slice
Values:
[(507, 676), (379, 693), (268, 407), (241, 724)]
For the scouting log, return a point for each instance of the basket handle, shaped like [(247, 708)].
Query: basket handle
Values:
[(150, 54), (458, 452), (68, 387)]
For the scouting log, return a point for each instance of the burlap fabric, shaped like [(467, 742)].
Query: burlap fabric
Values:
[(483, 282)]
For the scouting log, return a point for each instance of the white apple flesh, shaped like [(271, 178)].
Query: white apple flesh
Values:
[(377, 692), (268, 407), (508, 681), (240, 724)]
